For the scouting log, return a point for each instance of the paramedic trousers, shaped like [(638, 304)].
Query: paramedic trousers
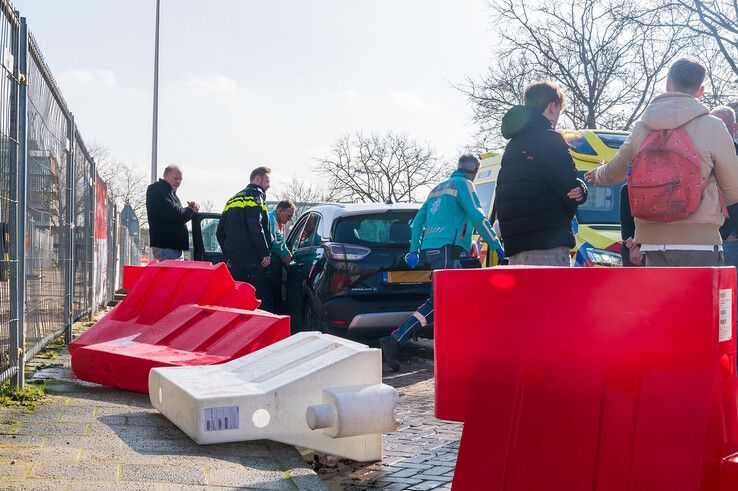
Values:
[(444, 258)]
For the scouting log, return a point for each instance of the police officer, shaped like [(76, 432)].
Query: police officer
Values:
[(441, 232), (244, 237), (281, 254)]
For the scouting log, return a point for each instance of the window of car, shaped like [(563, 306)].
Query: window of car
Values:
[(296, 231), (376, 228), (208, 227), (309, 236), (602, 205), (612, 140), (485, 192)]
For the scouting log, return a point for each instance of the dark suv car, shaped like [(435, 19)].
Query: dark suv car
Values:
[(348, 275)]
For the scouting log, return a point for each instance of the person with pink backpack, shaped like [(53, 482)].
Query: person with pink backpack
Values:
[(682, 174)]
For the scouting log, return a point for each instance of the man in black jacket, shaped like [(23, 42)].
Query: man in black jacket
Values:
[(537, 188), (167, 218), (244, 238)]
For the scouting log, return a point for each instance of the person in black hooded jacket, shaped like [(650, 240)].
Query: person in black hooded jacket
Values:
[(537, 188), (244, 237)]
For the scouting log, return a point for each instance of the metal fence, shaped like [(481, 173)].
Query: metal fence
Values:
[(58, 225)]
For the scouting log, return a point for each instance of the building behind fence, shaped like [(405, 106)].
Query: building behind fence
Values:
[(59, 229)]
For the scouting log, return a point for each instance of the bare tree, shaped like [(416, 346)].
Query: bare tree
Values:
[(607, 63), (300, 190), (207, 206), (125, 184), (720, 82), (379, 168), (714, 20)]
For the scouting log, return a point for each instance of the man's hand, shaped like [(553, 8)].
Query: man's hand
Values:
[(634, 250), (577, 194), (636, 256), (266, 261), (195, 207), (589, 176)]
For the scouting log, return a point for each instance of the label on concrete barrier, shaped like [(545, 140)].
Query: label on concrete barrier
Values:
[(221, 418), (726, 315)]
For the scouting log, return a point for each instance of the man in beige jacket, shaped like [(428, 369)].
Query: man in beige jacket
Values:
[(695, 240)]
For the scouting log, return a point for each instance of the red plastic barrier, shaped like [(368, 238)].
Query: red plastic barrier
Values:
[(131, 274), (160, 289), (190, 335), (597, 379)]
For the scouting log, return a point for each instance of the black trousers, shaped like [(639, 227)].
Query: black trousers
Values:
[(245, 266)]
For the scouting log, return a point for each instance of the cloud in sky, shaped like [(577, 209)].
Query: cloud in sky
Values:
[(215, 84), (409, 100), (89, 78)]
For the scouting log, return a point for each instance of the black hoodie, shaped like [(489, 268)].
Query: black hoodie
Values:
[(537, 173)]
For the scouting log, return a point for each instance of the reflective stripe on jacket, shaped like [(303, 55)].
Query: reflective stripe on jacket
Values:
[(244, 224)]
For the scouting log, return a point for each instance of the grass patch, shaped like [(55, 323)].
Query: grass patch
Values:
[(29, 396)]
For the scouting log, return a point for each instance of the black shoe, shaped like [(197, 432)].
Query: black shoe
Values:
[(390, 347)]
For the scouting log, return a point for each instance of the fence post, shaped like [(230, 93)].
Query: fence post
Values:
[(91, 210), (18, 297), (71, 218)]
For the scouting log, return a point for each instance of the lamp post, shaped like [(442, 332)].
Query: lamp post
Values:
[(155, 119)]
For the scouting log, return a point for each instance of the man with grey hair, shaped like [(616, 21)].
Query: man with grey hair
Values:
[(167, 217), (441, 233), (727, 115), (729, 230)]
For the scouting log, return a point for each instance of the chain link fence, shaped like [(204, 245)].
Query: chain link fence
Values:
[(59, 244)]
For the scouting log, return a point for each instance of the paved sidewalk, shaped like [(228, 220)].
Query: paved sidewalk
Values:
[(421, 454), (86, 436)]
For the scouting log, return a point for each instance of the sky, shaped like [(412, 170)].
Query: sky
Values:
[(244, 83)]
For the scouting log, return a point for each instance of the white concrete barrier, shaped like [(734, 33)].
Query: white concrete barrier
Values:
[(311, 389)]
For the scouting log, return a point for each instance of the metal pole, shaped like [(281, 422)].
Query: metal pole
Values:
[(18, 302), (71, 216), (91, 254), (155, 121)]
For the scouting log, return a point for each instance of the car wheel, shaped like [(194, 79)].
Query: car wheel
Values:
[(309, 317)]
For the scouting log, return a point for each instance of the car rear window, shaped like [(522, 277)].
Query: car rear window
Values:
[(388, 228)]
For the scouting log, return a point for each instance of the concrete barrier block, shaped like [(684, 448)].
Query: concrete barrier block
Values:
[(311, 389)]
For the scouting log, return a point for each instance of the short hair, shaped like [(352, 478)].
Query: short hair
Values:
[(285, 204), (171, 168), (539, 95), (259, 172), (468, 163), (726, 113), (687, 74)]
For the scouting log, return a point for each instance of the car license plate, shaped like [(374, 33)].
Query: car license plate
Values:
[(395, 277)]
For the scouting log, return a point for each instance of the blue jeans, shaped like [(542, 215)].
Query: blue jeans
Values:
[(443, 258), (162, 254), (730, 252)]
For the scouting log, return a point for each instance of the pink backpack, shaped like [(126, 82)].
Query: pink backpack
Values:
[(665, 180)]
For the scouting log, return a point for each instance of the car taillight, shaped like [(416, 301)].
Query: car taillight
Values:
[(346, 252)]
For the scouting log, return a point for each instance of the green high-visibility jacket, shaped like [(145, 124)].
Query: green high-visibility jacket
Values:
[(449, 217)]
